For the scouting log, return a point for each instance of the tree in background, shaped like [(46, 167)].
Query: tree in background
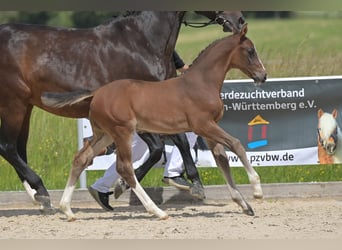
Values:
[(41, 17), (267, 14), (77, 19)]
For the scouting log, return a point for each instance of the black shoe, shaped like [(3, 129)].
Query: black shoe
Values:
[(101, 198), (178, 182)]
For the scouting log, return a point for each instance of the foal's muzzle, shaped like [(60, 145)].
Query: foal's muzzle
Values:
[(259, 79)]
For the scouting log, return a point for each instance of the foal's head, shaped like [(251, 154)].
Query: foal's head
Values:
[(246, 59), (327, 131)]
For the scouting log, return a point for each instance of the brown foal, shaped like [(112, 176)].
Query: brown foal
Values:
[(190, 102)]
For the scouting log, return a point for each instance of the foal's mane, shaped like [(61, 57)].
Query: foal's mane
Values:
[(210, 46)]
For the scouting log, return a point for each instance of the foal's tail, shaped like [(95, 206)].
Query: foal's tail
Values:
[(59, 100)]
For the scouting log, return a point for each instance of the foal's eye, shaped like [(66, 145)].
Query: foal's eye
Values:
[(251, 52)]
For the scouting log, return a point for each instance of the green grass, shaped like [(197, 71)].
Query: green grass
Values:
[(288, 48)]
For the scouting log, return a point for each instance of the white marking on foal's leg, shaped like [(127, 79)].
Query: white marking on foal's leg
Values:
[(31, 192), (65, 203), (254, 179), (150, 206)]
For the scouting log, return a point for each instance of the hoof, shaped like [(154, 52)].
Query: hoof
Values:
[(44, 201), (197, 190), (48, 211), (258, 196), (71, 219), (120, 187), (249, 211), (164, 217)]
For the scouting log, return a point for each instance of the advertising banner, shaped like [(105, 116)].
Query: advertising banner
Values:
[(277, 123)]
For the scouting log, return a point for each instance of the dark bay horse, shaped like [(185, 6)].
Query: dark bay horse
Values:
[(122, 107), (39, 58)]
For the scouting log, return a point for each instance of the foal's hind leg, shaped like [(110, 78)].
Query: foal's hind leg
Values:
[(81, 160), (223, 163)]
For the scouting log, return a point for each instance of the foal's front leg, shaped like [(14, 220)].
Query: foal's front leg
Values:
[(79, 163), (253, 176), (223, 163), (124, 168), (81, 160)]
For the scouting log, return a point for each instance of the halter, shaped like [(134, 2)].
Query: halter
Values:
[(198, 24), (333, 136), (218, 19)]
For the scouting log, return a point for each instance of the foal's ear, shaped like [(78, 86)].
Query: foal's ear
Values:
[(320, 112), (244, 30), (334, 113)]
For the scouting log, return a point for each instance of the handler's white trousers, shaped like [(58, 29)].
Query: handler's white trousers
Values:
[(140, 154), (174, 166)]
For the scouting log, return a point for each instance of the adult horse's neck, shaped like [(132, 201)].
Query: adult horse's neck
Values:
[(213, 63), (159, 33)]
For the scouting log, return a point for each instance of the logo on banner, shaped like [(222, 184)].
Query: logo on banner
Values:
[(257, 132)]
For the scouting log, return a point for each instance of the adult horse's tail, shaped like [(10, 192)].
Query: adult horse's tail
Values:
[(59, 100)]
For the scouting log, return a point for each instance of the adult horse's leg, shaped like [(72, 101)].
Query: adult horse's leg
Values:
[(11, 136), (22, 151), (223, 163), (24, 133), (182, 143), (156, 147), (81, 160)]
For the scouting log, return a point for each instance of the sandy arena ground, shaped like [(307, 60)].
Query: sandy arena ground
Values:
[(314, 218)]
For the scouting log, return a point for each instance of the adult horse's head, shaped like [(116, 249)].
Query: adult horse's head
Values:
[(232, 21), (245, 58), (327, 131)]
